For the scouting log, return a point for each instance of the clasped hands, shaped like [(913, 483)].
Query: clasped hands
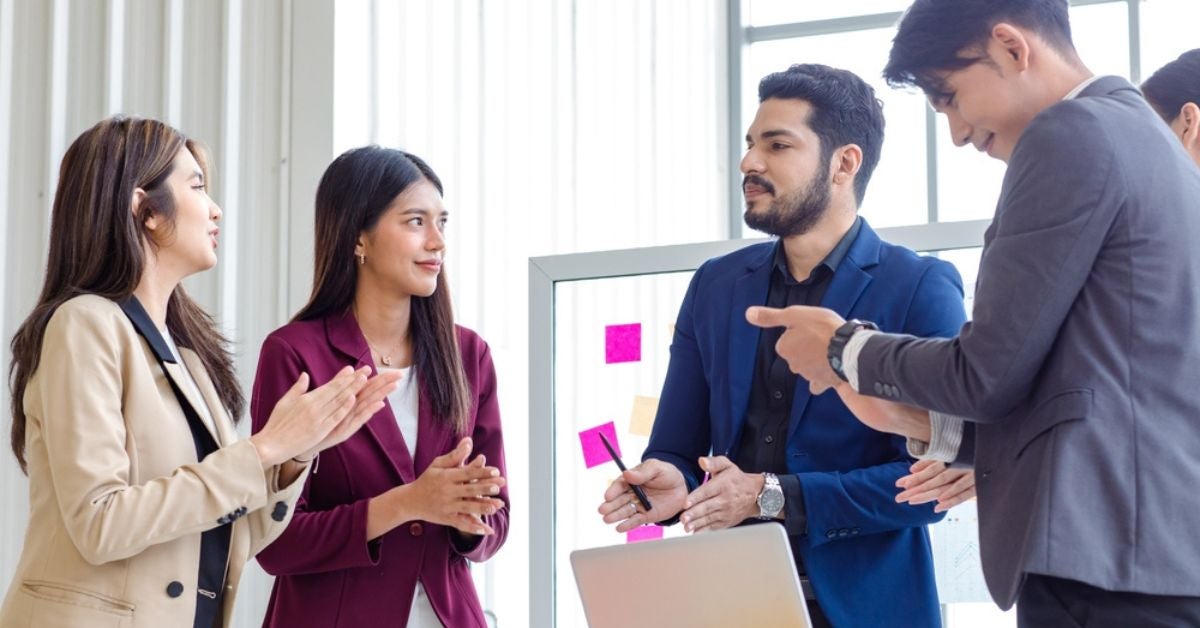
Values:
[(728, 498)]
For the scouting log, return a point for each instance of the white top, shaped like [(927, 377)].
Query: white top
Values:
[(406, 403), (203, 410)]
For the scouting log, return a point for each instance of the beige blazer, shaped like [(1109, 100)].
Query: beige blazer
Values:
[(117, 499)]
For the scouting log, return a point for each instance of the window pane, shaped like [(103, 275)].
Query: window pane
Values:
[(1168, 29), (969, 181), (1101, 35), (897, 192), (596, 382), (767, 12)]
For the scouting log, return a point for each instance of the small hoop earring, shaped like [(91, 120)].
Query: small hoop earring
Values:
[(362, 259)]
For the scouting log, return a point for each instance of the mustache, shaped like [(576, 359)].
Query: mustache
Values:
[(760, 182)]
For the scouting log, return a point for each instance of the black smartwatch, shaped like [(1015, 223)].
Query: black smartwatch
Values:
[(837, 344)]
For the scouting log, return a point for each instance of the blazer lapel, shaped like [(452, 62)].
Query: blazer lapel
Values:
[(345, 335), (750, 289), (845, 288), (223, 431), (146, 329)]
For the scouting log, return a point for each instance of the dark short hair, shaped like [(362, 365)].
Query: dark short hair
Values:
[(936, 36), (1174, 85), (844, 111)]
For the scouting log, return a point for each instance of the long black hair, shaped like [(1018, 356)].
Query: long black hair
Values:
[(353, 194)]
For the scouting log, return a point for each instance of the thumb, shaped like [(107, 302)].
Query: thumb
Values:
[(637, 475), (766, 317), (299, 388), (454, 457), (715, 464)]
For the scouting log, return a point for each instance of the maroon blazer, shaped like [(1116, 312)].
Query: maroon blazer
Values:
[(327, 573)]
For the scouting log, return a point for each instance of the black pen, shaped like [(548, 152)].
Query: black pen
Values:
[(637, 490)]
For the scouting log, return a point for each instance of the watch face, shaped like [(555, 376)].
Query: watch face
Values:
[(771, 501)]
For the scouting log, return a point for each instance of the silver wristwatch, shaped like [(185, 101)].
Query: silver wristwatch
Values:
[(770, 500)]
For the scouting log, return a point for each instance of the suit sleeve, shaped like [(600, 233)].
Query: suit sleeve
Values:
[(681, 433), (314, 540), (83, 427), (841, 505), (1041, 246), (489, 441)]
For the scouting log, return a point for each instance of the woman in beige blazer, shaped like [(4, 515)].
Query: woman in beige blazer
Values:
[(144, 504)]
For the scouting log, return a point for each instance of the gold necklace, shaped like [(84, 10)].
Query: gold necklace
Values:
[(385, 359)]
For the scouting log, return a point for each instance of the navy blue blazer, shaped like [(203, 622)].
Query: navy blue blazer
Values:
[(868, 557)]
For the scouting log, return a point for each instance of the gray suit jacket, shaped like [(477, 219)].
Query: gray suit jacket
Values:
[(1080, 367)]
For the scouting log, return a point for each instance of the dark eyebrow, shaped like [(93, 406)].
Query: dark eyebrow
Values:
[(196, 174), (422, 211), (766, 135)]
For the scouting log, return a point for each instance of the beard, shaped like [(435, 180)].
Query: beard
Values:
[(794, 214)]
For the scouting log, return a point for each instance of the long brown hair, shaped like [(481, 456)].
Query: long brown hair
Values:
[(352, 196), (96, 247)]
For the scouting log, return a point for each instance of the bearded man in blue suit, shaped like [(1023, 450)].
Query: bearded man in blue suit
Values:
[(731, 408)]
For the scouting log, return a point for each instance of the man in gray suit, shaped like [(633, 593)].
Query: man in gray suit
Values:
[(1075, 379)]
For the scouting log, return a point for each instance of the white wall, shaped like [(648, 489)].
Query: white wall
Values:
[(220, 70), (552, 136)]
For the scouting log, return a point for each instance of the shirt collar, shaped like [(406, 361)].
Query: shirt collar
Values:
[(831, 261), (1073, 94)]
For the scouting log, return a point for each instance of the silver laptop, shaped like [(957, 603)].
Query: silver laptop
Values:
[(737, 577)]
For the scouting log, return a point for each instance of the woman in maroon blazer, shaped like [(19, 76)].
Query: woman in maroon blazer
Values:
[(388, 519)]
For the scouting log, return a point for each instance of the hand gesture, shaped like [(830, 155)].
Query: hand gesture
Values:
[(728, 498), (805, 340), (930, 480), (454, 494), (664, 486), (367, 402), (301, 420)]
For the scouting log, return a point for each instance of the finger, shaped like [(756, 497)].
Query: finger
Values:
[(943, 506), (766, 317), (705, 492), (380, 385), (701, 522), (716, 464), (478, 507), (479, 461), (616, 510), (935, 487), (454, 457), (700, 511), (331, 393), (298, 388), (818, 387), (711, 525), (922, 475), (618, 487), (471, 525), (636, 521), (639, 474)]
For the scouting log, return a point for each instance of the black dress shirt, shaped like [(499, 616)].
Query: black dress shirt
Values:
[(763, 443)]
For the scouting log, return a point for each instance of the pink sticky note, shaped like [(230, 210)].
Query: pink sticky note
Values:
[(623, 343), (644, 533), (594, 452)]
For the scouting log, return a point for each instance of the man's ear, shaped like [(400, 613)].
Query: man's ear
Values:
[(1014, 45), (1189, 116), (847, 161)]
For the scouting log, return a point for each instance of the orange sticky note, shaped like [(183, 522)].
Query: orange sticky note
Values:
[(641, 421)]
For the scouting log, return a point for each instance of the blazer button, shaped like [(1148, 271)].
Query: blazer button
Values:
[(831, 534), (416, 529), (223, 520), (878, 388), (175, 589), (280, 511)]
